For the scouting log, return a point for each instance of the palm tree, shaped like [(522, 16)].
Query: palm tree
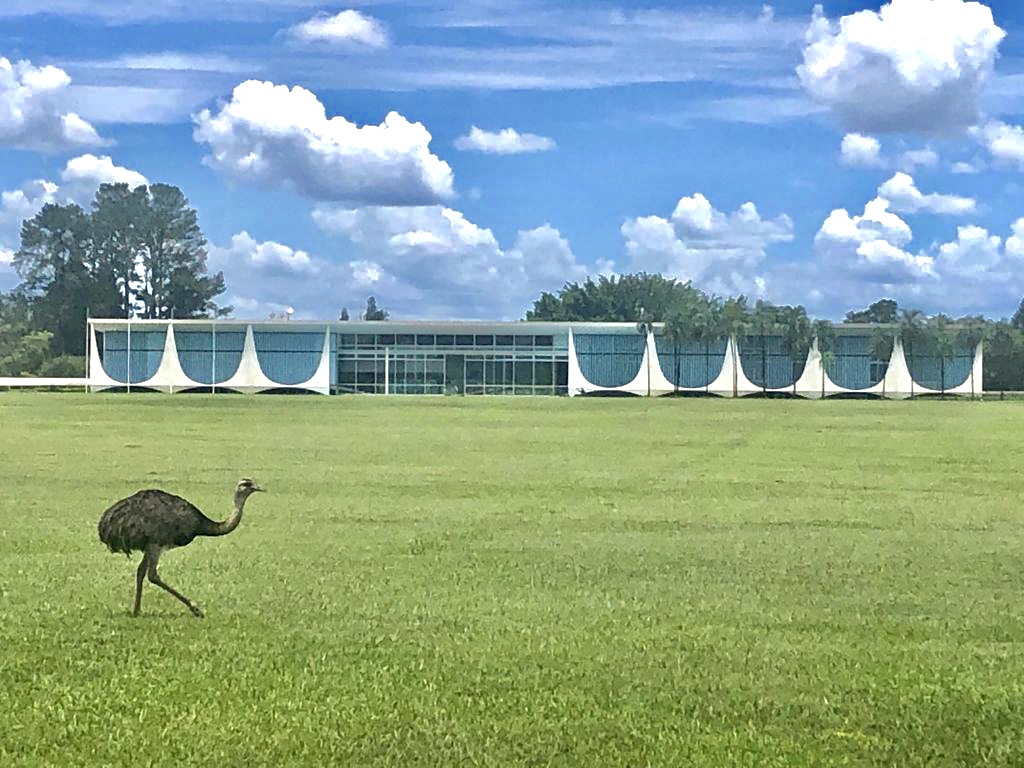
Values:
[(680, 327), (644, 326), (709, 328), (735, 321), (797, 337), (763, 322), (824, 336), (974, 331), (943, 340), (882, 342), (912, 331)]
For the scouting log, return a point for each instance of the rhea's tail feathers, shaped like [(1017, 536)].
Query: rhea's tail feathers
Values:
[(114, 530)]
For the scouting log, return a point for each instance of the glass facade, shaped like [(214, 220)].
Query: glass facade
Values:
[(433, 364)]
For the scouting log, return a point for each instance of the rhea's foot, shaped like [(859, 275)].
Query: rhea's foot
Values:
[(196, 610)]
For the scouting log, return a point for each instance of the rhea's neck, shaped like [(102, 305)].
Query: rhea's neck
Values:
[(226, 527)]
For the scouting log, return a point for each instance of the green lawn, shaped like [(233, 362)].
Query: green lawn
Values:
[(505, 582)]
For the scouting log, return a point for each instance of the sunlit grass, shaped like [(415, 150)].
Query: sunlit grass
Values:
[(460, 581)]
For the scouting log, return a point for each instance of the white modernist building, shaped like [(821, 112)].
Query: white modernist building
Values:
[(420, 357)]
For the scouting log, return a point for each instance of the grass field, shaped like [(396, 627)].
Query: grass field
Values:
[(509, 582)]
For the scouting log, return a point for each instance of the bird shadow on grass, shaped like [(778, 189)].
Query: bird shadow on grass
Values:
[(162, 615)]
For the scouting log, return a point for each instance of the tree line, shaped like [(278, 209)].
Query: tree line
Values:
[(692, 315), (137, 252)]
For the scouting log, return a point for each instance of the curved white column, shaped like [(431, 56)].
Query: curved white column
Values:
[(660, 384), (320, 381), (809, 383), (169, 375), (98, 378), (744, 386), (576, 382), (898, 383), (249, 376), (724, 384)]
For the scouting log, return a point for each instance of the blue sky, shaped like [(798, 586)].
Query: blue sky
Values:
[(824, 156)]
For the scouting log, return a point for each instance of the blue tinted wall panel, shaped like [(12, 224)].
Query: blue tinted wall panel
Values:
[(853, 364), (932, 372), (766, 365), (690, 363), (289, 358), (609, 360), (146, 352), (196, 351)]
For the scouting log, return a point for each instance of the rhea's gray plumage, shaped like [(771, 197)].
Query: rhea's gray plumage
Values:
[(152, 521)]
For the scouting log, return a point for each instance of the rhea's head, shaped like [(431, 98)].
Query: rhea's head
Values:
[(246, 487)]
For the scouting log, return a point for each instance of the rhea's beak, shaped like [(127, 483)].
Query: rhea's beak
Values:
[(259, 489)]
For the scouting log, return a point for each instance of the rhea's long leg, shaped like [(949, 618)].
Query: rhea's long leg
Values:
[(140, 576), (154, 577)]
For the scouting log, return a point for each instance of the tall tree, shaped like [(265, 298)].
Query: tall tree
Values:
[(119, 217), (173, 266), (614, 299), (23, 351), (54, 266), (881, 311)]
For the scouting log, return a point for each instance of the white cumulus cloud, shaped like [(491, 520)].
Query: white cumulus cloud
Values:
[(963, 168), (34, 111), (870, 245), (904, 196), (914, 65), (914, 158), (444, 265), (718, 251), (862, 257), (857, 149), (1004, 142), (273, 134), (268, 277), (268, 256), (507, 141), (91, 171), (347, 27)]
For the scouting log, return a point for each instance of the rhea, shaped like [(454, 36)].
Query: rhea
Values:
[(153, 521)]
